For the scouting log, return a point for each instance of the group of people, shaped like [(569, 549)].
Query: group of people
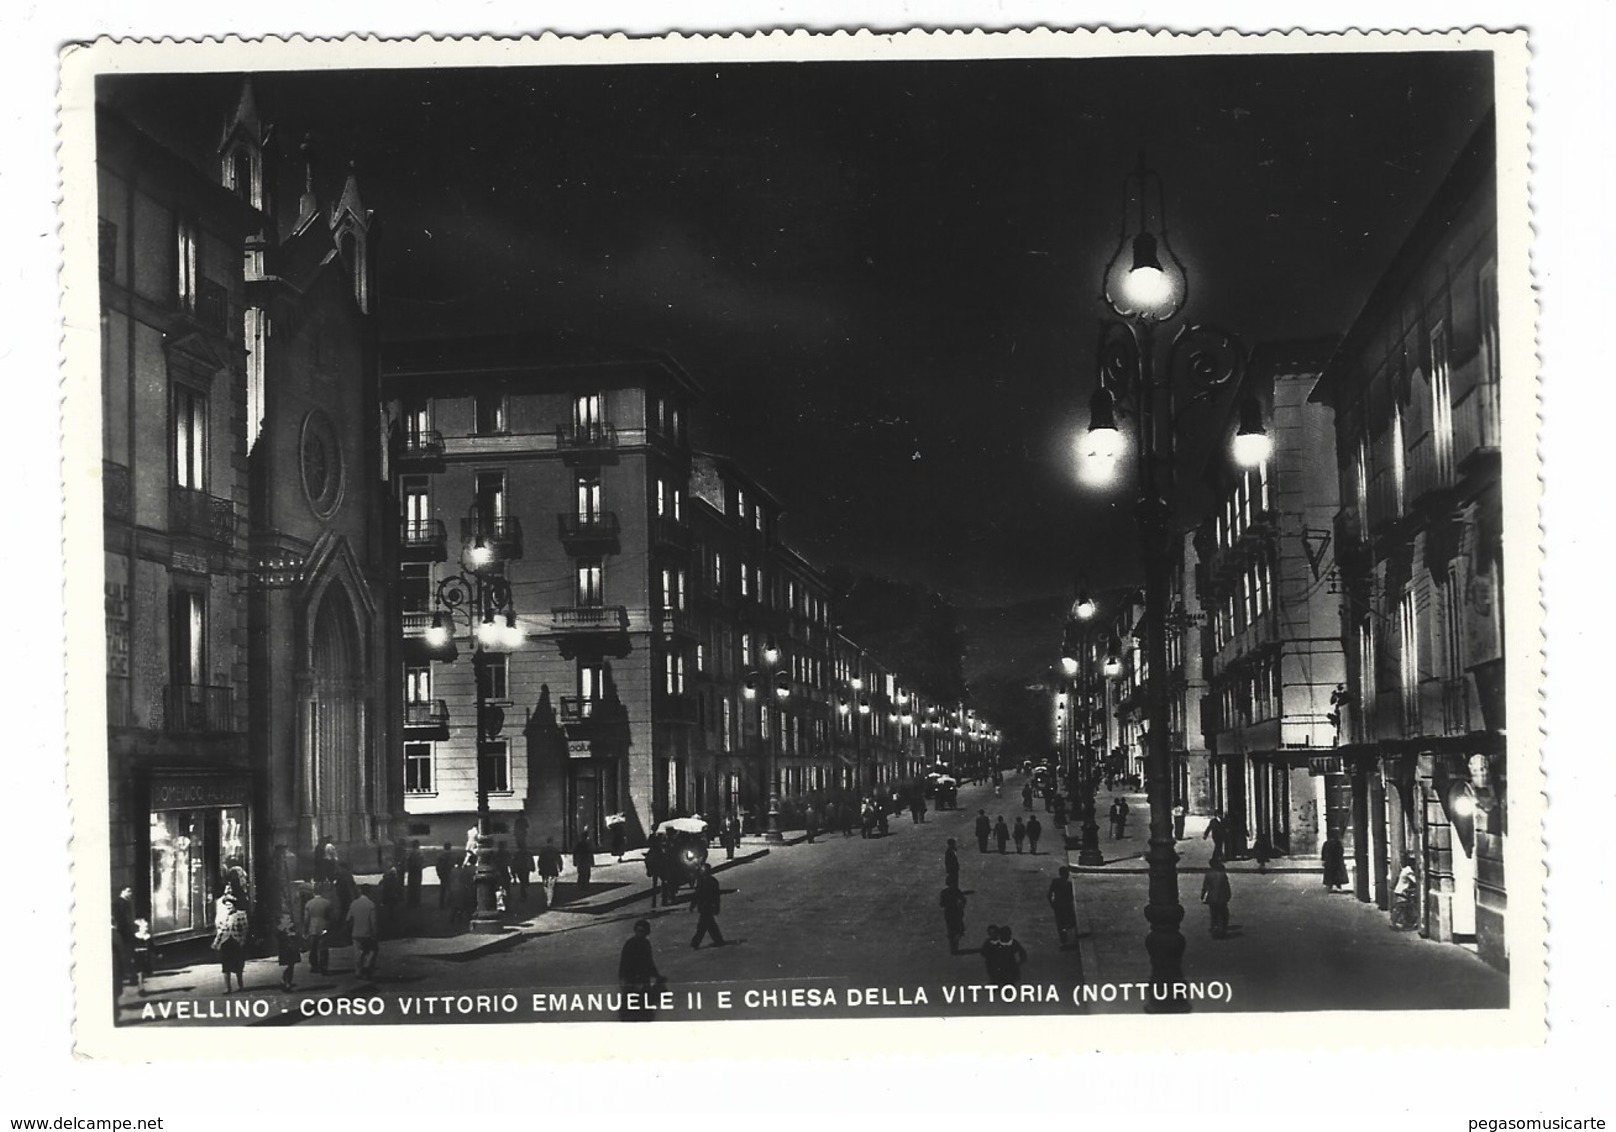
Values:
[(1023, 833), (1001, 951)]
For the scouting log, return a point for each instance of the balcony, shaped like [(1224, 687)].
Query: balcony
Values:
[(117, 492), (589, 534), (427, 715), (577, 710), (674, 708), (670, 622), (197, 709), (586, 443), (670, 533), (502, 535), (422, 448), (589, 619), (1475, 425), (422, 540), (200, 515)]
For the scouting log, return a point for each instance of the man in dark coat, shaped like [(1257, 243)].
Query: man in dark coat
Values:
[(1035, 830), (656, 855), (1215, 895), (1063, 904), (583, 859), (1335, 862), (414, 866), (705, 904), (1001, 833), (951, 863), (444, 866), (1119, 818), (1217, 834), (637, 974), (984, 829)]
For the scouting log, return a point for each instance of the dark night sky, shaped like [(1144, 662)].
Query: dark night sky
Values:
[(886, 275)]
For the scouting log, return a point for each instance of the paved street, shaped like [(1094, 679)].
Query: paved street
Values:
[(858, 920)]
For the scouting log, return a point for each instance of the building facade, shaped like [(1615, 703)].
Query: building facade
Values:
[(1271, 642), (245, 601), (1419, 554)]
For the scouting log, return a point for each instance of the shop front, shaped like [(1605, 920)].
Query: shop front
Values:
[(199, 824)]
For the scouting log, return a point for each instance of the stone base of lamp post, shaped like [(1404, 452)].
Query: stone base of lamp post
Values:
[(487, 918), (774, 832)]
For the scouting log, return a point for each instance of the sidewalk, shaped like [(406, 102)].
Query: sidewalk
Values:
[(1126, 855)]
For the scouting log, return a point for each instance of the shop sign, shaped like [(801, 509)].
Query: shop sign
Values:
[(195, 792), (1319, 765), (578, 749)]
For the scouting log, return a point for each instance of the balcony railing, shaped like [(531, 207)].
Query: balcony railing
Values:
[(415, 622), (200, 515), (422, 540), (502, 535), (578, 532), (431, 714), (668, 531), (117, 493), (422, 445), (193, 709), (589, 619), (588, 436)]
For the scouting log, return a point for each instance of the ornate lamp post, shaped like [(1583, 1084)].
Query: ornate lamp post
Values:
[(1077, 662), (1145, 286), (780, 680), (483, 598), (845, 705)]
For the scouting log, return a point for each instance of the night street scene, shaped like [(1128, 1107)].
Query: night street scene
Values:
[(777, 540)]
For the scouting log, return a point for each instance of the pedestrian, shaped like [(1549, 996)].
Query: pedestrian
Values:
[(867, 819), (1019, 833), (849, 817), (230, 939), (1263, 850), (522, 869), (1035, 830), (1180, 812), (392, 900), (1405, 895), (1215, 895), (474, 838), (881, 811), (811, 821), (320, 870), (1001, 833), (463, 902), (952, 901), (289, 949), (619, 840), (993, 956), (235, 883), (670, 871), (1217, 833), (1026, 797), (414, 866), (1060, 809), (984, 830), (583, 859), (1011, 956), (549, 870), (444, 867), (637, 975), (1064, 904), (319, 916), (502, 875), (654, 855), (364, 926), (125, 933), (1119, 819), (1335, 862), (951, 863), (705, 904)]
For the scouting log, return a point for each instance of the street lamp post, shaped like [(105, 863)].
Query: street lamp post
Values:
[(1145, 285), (780, 680), (845, 706), (483, 599), (1078, 665)]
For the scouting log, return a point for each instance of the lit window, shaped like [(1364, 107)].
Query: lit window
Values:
[(661, 497), (190, 438), (417, 684), (746, 648), (489, 413), (588, 497), (1441, 403), (185, 264), (590, 591)]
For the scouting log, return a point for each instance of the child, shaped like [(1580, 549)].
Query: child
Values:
[(291, 949)]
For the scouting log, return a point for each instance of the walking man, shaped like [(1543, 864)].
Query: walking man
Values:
[(1001, 833), (637, 975), (951, 863), (366, 928), (444, 867), (1119, 819), (1180, 812), (705, 903), (1216, 833), (655, 854), (984, 829), (1035, 830), (1019, 833), (952, 901), (414, 866), (1063, 904), (1215, 895), (583, 859)]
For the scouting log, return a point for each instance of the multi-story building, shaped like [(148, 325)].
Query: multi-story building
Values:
[(244, 596), (568, 464), (1419, 550), (1271, 641)]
